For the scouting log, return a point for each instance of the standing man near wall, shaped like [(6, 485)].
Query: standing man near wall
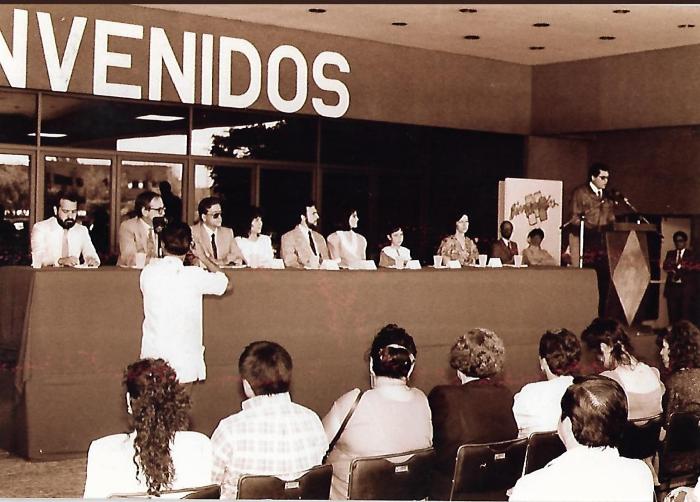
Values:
[(681, 266)]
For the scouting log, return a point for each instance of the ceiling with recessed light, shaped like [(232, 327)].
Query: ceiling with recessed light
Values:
[(566, 32)]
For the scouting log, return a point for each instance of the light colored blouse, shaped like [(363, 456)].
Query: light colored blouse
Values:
[(347, 245), (387, 258), (537, 256), (643, 387), (257, 253), (537, 407), (452, 249)]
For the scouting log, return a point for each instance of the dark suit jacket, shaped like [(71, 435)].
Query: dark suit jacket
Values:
[(687, 273), (480, 411), (499, 250)]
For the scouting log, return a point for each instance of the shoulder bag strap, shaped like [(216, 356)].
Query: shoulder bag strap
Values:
[(342, 426)]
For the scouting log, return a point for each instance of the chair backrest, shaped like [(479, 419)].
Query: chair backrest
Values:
[(314, 484), (640, 437), (680, 450), (400, 476), (487, 471), (542, 448), (195, 492)]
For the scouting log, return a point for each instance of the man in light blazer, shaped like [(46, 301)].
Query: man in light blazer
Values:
[(210, 238), (504, 248), (303, 247), (137, 235), (60, 240)]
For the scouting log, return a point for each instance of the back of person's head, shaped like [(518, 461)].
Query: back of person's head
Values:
[(176, 238), (612, 333), (562, 351), (479, 353), (143, 200), (205, 204), (597, 408), (159, 408), (393, 352), (267, 367), (683, 345), (596, 168)]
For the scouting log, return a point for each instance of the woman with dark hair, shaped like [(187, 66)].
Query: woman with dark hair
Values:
[(347, 245), (394, 255), (607, 339), (458, 246), (534, 254), (256, 247), (477, 411), (680, 354), (158, 454), (391, 417)]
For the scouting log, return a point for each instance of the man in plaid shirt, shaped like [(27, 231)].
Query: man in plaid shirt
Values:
[(271, 435)]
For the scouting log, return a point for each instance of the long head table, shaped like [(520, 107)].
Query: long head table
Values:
[(76, 330)]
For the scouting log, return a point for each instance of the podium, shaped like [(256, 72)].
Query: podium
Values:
[(633, 252)]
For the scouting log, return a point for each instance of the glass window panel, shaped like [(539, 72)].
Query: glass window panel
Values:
[(114, 125), (231, 184), (90, 178), (18, 118), (281, 194), (246, 135), (14, 209), (137, 176)]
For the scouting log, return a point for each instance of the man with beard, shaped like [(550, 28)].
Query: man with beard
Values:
[(60, 240), (303, 247)]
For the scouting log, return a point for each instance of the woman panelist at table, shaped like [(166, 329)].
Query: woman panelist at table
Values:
[(347, 245), (256, 247), (458, 246), (394, 255)]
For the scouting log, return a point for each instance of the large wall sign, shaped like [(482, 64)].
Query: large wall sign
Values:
[(128, 60)]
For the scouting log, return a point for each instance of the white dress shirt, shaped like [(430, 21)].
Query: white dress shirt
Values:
[(588, 474), (537, 407), (111, 469), (47, 243), (172, 305), (257, 253)]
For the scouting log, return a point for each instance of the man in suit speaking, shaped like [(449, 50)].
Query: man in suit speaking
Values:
[(137, 235)]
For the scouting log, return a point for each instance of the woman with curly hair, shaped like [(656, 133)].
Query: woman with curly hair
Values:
[(607, 339), (680, 354), (391, 417), (477, 411), (158, 454)]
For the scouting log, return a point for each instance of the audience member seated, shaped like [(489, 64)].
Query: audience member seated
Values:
[(680, 354), (347, 245), (271, 435), (303, 246), (394, 255), (593, 416), (137, 235), (684, 494), (211, 238), (504, 248), (534, 254), (256, 247), (458, 246), (159, 453), (477, 411), (537, 407), (390, 418), (642, 383), (60, 240)]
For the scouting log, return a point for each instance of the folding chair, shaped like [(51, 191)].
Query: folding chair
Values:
[(542, 448), (679, 455), (399, 476), (195, 492), (314, 484), (487, 471), (640, 437)]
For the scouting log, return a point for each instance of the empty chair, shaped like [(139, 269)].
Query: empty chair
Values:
[(401, 476), (679, 456), (542, 448), (314, 484), (195, 492), (640, 437), (487, 471)]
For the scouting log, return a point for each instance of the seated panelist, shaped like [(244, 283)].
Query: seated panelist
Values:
[(137, 234), (256, 247), (210, 238), (394, 255), (303, 246), (458, 246), (347, 245), (60, 240)]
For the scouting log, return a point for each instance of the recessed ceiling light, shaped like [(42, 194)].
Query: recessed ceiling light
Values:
[(468, 11), (621, 11), (48, 134), (540, 25), (160, 118), (317, 11), (471, 37), (398, 23), (607, 37), (536, 47)]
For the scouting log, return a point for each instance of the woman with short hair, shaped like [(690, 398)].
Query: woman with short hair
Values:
[(255, 246), (534, 255), (394, 255), (458, 246)]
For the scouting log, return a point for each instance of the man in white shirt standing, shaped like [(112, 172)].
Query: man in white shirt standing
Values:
[(60, 240), (172, 305), (303, 247), (593, 416)]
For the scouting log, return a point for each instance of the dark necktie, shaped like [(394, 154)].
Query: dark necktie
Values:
[(150, 245), (313, 244), (213, 246)]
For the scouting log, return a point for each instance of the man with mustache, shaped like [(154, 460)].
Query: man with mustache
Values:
[(303, 246), (60, 240)]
